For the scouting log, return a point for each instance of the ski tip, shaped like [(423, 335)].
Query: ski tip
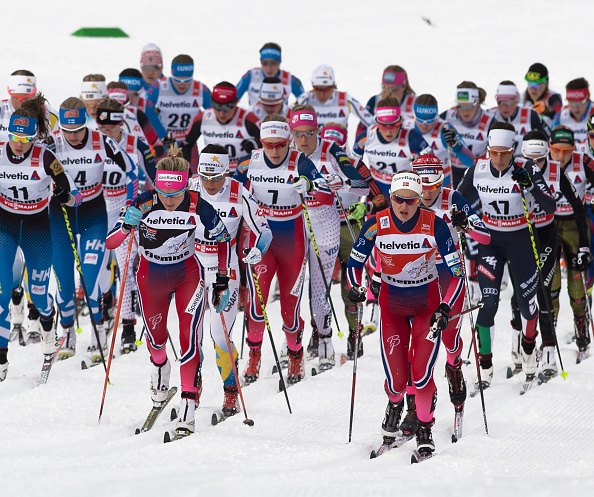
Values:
[(509, 373), (83, 365), (274, 369), (413, 459), (373, 454), (281, 385), (454, 438), (166, 437), (313, 372), (173, 415), (249, 422), (214, 420)]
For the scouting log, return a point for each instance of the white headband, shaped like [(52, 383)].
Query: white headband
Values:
[(22, 84), (502, 138), (536, 148), (213, 163), (467, 95), (274, 129), (506, 92), (93, 90), (406, 181)]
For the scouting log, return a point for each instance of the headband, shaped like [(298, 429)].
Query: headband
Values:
[(467, 95), (425, 112), (387, 115), (270, 53), (213, 163), (393, 78), (406, 181), (224, 94), (506, 93), (274, 129), (184, 71), (537, 148), (119, 94), (93, 90), (304, 118), (502, 138), (171, 179), (109, 117), (577, 95), (74, 116), (133, 83), (22, 84), (20, 124), (562, 136), (334, 133), (272, 92)]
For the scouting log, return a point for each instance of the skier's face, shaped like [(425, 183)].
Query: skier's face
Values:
[(182, 85), (425, 128), (507, 107), (212, 182), (151, 73), (270, 67), (500, 157), (275, 153), (74, 133), (323, 93), (561, 152), (17, 146), (537, 91), (430, 194), (92, 106), (113, 131), (467, 111), (390, 132), (306, 138), (403, 210), (577, 109), (272, 108), (171, 203), (396, 90)]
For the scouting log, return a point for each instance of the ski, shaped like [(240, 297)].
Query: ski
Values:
[(219, 417), (86, 365), (418, 457), (476, 389), (48, 362), (390, 443), (156, 411), (530, 381), (513, 372), (547, 375), (316, 370), (582, 354), (458, 416), (178, 434)]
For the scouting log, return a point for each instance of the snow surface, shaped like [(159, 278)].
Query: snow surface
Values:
[(538, 444)]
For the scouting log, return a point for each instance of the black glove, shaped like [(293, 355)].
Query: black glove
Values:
[(376, 283), (220, 291), (583, 259), (449, 135), (357, 293), (439, 320), (521, 176), (61, 195), (169, 140), (459, 219), (378, 203)]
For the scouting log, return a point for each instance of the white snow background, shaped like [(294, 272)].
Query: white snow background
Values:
[(538, 444)]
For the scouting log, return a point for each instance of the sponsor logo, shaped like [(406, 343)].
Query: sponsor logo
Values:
[(268, 179), (91, 259), (155, 320), (490, 291), (491, 260), (482, 269), (168, 258), (38, 289), (66, 161), (165, 220), (358, 256), (393, 342), (198, 295), (385, 222)]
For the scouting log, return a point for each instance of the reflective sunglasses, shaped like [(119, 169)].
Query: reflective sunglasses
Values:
[(561, 149), (432, 188), (181, 80), (223, 107), (151, 67), (430, 120), (216, 177), (577, 104), (20, 99), (538, 160), (466, 107), (170, 195), (507, 103), (323, 89), (22, 139), (409, 200), (72, 131), (498, 153), (395, 125), (273, 146), (305, 134), (535, 85), (394, 87)]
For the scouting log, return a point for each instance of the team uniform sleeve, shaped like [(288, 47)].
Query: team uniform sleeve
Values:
[(476, 228), (252, 124), (143, 202), (537, 123), (579, 211), (296, 86), (540, 191), (468, 191), (244, 84), (417, 143), (460, 150), (344, 167), (150, 134), (305, 167), (451, 257), (217, 229), (60, 177), (192, 137), (152, 97), (255, 219), (148, 159), (361, 251), (240, 173), (362, 113), (359, 146)]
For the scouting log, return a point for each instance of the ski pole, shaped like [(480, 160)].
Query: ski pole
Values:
[(588, 307), (172, 346), (246, 421), (356, 354), (117, 319), (84, 286), (263, 307), (541, 282), (245, 319), (315, 245)]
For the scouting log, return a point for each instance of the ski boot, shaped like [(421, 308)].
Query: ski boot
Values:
[(370, 317), (93, 350), (425, 445), (231, 401), (326, 353), (582, 337), (351, 346), (410, 422), (128, 337), (34, 329), (252, 370), (185, 422), (3, 363), (549, 362), (486, 365), (296, 366), (69, 348), (17, 314), (391, 422), (160, 374), (516, 352), (312, 346), (456, 382), (108, 312), (48, 336)]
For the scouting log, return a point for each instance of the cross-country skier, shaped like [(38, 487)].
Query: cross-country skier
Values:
[(271, 100), (92, 90), (578, 110), (539, 96)]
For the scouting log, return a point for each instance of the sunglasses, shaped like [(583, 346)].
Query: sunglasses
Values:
[(151, 67), (67, 131), (430, 120), (577, 104), (274, 146), (498, 153), (395, 125), (170, 195), (394, 87), (323, 89), (466, 108), (181, 80), (305, 134), (409, 200), (432, 188), (561, 149), (223, 107), (507, 103), (535, 85), (270, 62), (20, 99), (216, 177), (591, 134), (22, 139)]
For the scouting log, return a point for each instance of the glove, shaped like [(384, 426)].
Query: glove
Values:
[(439, 320), (357, 293), (169, 140), (253, 256), (378, 203), (583, 259), (459, 219), (132, 218), (449, 135), (376, 283), (302, 185), (539, 107), (357, 211), (220, 292), (62, 196), (521, 176), (336, 183)]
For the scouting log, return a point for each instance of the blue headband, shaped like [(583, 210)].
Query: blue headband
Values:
[(133, 84), (182, 70), (74, 116), (20, 124), (425, 112), (270, 53)]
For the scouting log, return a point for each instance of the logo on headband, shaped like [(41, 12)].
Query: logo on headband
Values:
[(103, 116), (71, 113), (170, 177), (21, 121), (463, 96)]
